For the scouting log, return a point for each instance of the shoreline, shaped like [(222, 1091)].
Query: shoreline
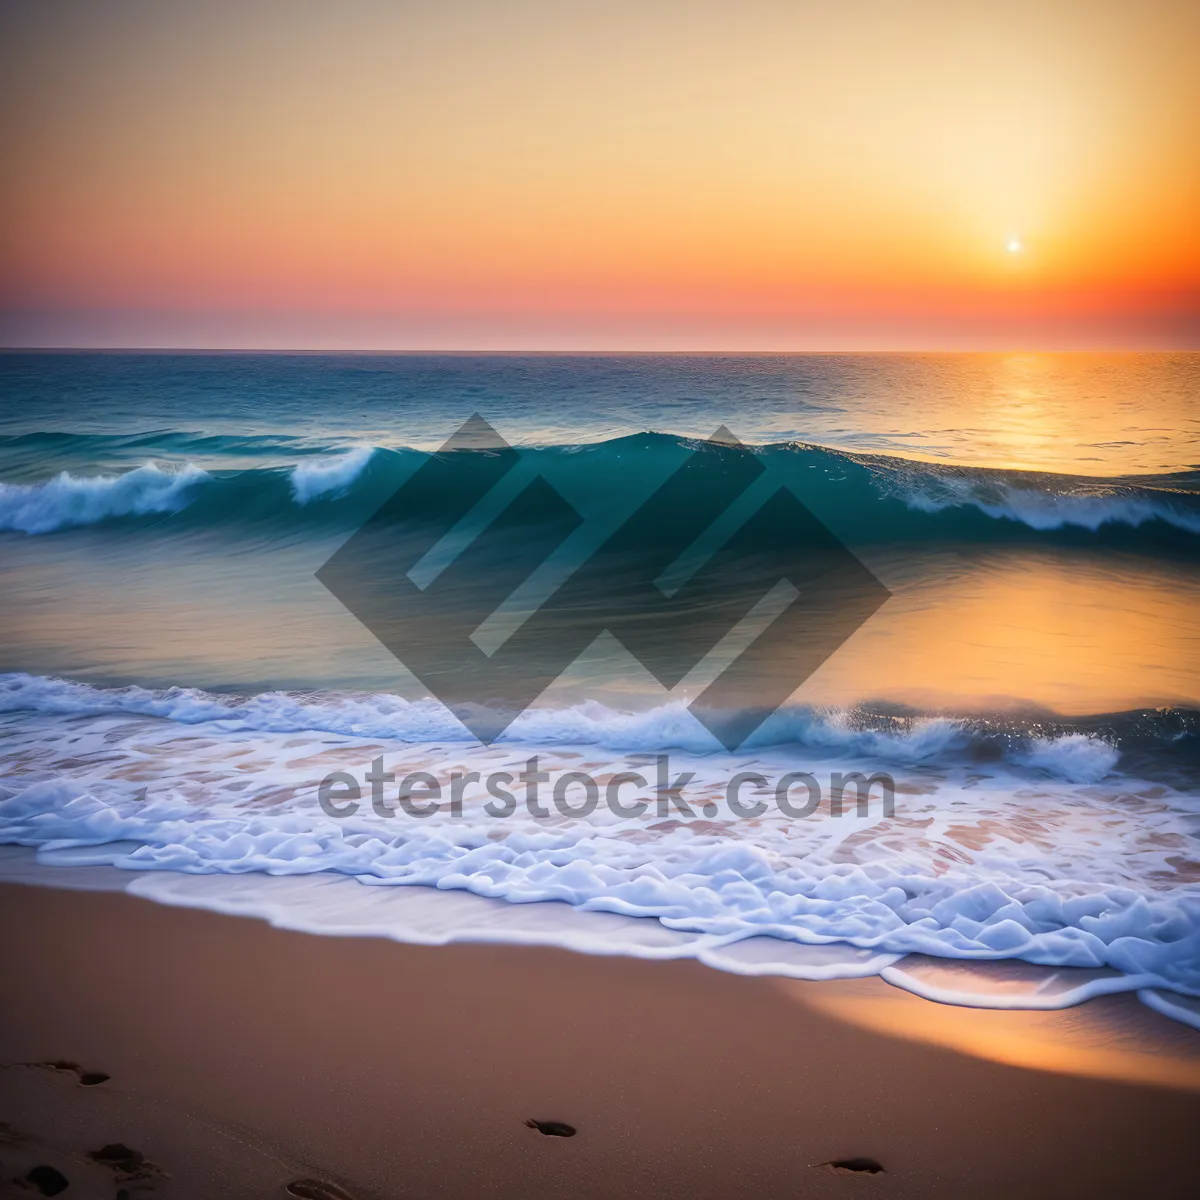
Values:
[(332, 904), (242, 1057)]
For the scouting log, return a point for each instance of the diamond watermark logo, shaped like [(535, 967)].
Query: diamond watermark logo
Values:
[(711, 567)]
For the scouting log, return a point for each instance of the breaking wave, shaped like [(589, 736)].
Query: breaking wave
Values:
[(863, 498), (68, 500), (1083, 750)]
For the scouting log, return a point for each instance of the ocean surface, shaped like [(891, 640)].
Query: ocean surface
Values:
[(175, 682)]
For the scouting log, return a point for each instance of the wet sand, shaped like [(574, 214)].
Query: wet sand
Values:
[(241, 1059)]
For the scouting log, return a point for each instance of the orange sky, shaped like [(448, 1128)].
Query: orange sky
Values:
[(549, 174)]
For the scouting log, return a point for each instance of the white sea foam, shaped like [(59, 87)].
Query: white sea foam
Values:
[(1076, 757), (329, 476), (334, 905), (68, 500), (1041, 509), (975, 865)]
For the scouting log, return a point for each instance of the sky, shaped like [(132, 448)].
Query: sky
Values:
[(557, 175)]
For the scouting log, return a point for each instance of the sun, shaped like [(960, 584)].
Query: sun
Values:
[(1013, 245)]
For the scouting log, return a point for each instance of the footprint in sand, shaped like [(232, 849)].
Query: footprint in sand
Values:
[(552, 1128), (316, 1189), (85, 1078), (126, 1163), (853, 1166), (46, 1181)]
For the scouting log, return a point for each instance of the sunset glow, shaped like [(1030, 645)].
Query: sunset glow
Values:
[(556, 175)]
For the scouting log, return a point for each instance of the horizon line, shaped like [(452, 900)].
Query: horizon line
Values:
[(596, 352)]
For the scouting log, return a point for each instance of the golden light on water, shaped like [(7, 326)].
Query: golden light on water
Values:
[(1020, 628), (1110, 1038)]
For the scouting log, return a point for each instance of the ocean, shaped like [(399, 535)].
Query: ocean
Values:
[(177, 681)]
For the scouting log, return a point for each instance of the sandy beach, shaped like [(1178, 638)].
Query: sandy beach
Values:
[(240, 1060)]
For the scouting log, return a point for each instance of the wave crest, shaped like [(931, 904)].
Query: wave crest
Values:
[(68, 500), (329, 475)]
